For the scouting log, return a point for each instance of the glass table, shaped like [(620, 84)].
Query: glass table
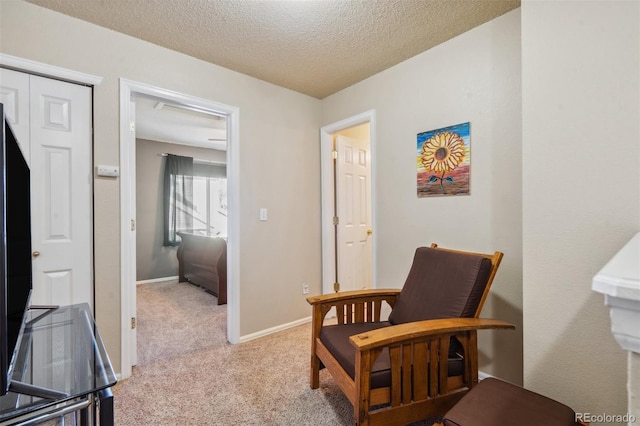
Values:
[(62, 367)]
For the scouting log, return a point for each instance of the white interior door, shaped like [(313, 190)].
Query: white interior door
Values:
[(355, 249), (61, 182)]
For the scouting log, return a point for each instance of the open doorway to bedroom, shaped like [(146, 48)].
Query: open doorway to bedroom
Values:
[(165, 133), (211, 140)]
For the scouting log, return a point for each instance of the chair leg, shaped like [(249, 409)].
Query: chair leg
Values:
[(314, 373)]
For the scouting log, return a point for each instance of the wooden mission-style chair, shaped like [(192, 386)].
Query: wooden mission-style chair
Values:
[(421, 361)]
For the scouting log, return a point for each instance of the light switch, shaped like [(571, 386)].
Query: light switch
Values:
[(263, 214), (109, 171)]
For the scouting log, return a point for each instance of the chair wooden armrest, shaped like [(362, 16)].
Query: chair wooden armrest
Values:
[(340, 297), (352, 306), (419, 330)]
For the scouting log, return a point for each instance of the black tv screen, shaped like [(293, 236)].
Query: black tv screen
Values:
[(15, 249)]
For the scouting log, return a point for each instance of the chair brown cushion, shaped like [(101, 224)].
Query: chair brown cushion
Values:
[(336, 339), (441, 284), (494, 402)]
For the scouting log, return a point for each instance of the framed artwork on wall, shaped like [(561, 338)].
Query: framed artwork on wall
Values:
[(444, 161)]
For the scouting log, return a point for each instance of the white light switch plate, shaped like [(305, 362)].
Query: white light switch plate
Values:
[(109, 171), (263, 214)]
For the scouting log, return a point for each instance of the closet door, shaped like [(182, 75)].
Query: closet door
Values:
[(61, 183), (52, 122)]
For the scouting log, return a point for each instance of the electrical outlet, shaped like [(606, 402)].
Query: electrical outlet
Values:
[(305, 288)]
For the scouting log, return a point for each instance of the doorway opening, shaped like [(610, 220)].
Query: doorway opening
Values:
[(131, 91), (348, 203)]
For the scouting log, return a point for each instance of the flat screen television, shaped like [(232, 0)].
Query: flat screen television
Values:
[(15, 250)]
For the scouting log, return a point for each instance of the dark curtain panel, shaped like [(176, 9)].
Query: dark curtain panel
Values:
[(178, 198)]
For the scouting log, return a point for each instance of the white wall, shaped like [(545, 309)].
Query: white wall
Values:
[(278, 127), (581, 191), (474, 77)]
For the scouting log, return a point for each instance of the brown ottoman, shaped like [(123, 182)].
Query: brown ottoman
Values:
[(494, 402)]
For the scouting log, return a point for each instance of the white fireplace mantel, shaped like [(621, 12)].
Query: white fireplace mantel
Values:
[(619, 281)]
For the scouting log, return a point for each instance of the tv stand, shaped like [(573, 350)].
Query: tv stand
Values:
[(62, 367)]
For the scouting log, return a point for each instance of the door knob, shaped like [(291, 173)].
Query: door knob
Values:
[(369, 232), (36, 253)]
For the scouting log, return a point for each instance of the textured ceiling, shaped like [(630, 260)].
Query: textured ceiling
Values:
[(316, 47)]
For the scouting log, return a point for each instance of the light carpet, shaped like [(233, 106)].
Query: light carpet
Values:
[(187, 373)]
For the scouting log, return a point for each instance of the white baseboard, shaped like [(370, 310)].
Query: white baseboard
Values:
[(157, 280), (482, 375), (272, 330)]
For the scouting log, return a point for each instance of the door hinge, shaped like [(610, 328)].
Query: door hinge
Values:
[(132, 126), (336, 220), (336, 287), (334, 154), (133, 323), (133, 225)]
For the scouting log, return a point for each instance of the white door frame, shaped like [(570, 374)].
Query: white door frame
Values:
[(46, 70), (326, 173), (127, 174)]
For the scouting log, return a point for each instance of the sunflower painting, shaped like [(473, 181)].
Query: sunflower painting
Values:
[(443, 161)]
